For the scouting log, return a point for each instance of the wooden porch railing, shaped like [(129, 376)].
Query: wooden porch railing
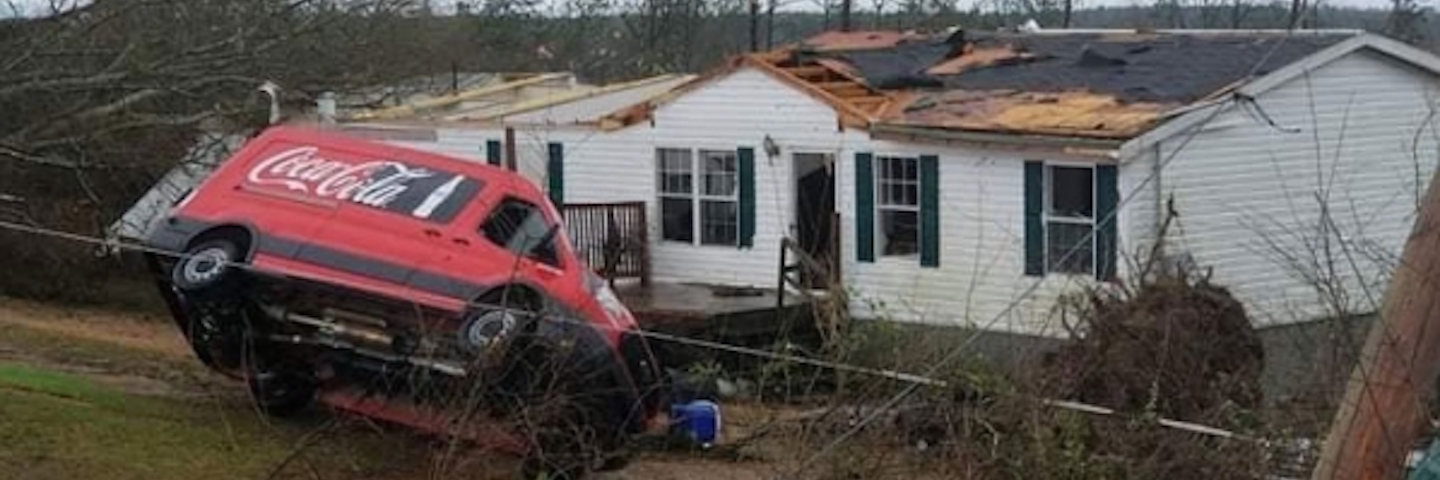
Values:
[(613, 238)]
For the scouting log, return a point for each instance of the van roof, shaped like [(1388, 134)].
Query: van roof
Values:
[(489, 174)]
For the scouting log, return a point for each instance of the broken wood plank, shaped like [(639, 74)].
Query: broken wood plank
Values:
[(809, 72)]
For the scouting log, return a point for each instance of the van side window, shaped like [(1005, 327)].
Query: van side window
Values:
[(521, 227)]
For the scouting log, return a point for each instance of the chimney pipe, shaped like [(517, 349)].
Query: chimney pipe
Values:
[(754, 25), (325, 108), (510, 149)]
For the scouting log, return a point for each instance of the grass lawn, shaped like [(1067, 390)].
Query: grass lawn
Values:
[(61, 426)]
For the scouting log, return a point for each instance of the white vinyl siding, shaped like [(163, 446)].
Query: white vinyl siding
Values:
[(1354, 136)]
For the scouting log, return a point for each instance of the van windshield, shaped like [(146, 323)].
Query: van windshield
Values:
[(522, 228)]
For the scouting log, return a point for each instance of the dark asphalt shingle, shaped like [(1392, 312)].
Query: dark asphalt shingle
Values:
[(1168, 67)]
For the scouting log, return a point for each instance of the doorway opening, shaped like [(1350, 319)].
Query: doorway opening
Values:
[(816, 226)]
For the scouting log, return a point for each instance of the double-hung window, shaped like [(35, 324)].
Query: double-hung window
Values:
[(897, 209), (1070, 219), (699, 195)]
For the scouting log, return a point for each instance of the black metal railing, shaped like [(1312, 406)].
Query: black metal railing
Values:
[(613, 238)]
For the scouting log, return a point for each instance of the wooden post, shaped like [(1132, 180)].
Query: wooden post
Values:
[(1385, 404), (510, 149)]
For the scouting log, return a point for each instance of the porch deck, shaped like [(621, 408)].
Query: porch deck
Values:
[(709, 311)]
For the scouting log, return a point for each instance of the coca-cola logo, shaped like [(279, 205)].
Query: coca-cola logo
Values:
[(375, 183)]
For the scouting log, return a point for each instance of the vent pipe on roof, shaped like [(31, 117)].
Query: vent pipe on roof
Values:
[(754, 25), (510, 161), (325, 108)]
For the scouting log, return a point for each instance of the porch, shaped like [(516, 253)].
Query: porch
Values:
[(614, 238)]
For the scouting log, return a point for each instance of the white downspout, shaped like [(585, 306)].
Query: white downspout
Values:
[(1156, 182)]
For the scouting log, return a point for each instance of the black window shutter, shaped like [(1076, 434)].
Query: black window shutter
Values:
[(1034, 218), (746, 156), (929, 211), (555, 173), (492, 152), (1107, 199), (864, 208)]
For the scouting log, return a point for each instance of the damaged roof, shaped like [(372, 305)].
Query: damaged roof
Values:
[(1099, 84), (1145, 67), (1088, 87)]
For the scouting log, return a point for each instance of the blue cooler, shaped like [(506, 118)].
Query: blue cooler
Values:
[(698, 421)]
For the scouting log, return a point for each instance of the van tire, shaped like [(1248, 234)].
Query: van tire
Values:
[(209, 267)]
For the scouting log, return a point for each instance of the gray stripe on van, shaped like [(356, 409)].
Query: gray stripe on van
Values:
[(178, 233)]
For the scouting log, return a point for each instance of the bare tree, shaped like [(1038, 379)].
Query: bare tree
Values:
[(102, 96), (1406, 21)]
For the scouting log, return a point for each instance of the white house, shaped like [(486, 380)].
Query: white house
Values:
[(1023, 165), (975, 178)]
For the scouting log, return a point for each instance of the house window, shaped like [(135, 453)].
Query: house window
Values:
[(675, 174), (897, 211), (703, 181), (1070, 219)]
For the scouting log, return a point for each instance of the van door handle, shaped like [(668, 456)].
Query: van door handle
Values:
[(460, 241), (430, 232)]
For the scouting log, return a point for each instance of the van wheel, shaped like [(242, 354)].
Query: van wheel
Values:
[(216, 331), (208, 267)]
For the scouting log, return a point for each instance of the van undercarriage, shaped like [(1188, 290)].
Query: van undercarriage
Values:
[(470, 378)]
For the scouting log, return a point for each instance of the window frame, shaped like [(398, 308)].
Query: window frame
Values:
[(1048, 187), (556, 261), (698, 197), (879, 179), (661, 180)]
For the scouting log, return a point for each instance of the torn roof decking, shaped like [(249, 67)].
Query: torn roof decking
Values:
[(548, 99), (476, 100), (855, 102)]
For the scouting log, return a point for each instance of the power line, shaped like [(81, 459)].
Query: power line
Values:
[(911, 379)]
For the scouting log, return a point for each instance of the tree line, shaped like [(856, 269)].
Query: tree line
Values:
[(102, 96)]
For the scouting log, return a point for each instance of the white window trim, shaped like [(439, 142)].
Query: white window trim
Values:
[(878, 220), (1048, 204), (696, 196)]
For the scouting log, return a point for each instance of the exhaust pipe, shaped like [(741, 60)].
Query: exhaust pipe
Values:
[(366, 335)]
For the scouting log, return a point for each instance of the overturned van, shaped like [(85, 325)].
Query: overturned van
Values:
[(407, 286)]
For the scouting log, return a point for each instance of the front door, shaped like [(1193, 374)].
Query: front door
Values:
[(815, 224)]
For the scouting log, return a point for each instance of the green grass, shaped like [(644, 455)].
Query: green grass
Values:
[(61, 426)]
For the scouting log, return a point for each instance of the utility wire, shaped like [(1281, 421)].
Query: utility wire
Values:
[(913, 380)]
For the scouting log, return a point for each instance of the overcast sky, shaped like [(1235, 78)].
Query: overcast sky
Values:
[(34, 6)]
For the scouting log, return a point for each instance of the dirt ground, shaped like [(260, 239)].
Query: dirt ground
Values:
[(131, 359)]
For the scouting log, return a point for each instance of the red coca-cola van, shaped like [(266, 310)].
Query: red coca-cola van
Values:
[(404, 285)]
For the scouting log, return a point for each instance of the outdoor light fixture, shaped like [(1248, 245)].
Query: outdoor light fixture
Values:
[(771, 148)]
